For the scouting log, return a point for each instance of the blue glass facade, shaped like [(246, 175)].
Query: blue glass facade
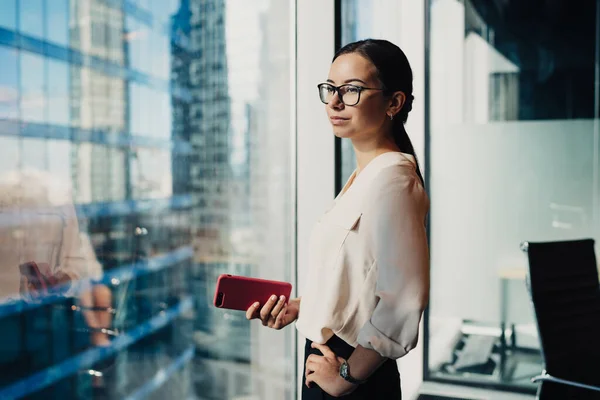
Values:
[(132, 174), (92, 111)]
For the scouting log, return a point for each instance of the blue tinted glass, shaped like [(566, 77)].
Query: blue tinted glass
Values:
[(10, 153), (160, 56), (145, 4), (57, 21), (59, 159), (9, 83), (33, 97), (31, 17), (58, 93), (8, 14), (33, 153), (132, 41), (135, 108)]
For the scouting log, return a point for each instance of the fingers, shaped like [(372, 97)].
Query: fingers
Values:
[(313, 358), (310, 379), (265, 312), (251, 312), (311, 366), (309, 369), (272, 313), (324, 349), (278, 307), (280, 321)]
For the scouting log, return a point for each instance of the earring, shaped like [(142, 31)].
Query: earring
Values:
[(391, 116)]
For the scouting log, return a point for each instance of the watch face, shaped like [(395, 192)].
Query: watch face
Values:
[(344, 370)]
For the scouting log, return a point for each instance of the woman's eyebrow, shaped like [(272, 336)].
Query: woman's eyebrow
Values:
[(349, 80)]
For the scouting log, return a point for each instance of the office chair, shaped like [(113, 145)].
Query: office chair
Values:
[(565, 292)]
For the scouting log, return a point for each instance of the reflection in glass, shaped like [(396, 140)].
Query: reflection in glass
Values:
[(57, 21), (59, 161), (58, 93), (10, 151), (131, 189), (9, 84), (31, 17), (34, 155), (8, 16), (33, 87)]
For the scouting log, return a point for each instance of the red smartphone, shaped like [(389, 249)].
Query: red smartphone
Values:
[(38, 275), (240, 292)]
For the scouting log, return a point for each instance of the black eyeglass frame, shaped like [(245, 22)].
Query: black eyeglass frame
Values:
[(341, 96)]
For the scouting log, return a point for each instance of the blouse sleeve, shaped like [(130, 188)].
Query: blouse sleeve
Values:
[(395, 224)]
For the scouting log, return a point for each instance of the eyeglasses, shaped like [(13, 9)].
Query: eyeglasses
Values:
[(348, 94)]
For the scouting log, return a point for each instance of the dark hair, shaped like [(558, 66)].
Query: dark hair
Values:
[(395, 74)]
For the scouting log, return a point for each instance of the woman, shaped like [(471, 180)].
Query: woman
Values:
[(368, 279)]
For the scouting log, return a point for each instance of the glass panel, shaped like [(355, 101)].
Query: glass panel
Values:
[(514, 150), (131, 195), (31, 18), (9, 83), (58, 93), (11, 146), (139, 45), (151, 175), (34, 154), (33, 87), (57, 21), (8, 16), (59, 160)]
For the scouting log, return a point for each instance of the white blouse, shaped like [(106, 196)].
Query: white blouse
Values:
[(368, 272)]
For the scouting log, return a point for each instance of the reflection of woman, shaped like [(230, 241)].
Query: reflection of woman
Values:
[(368, 278), (38, 224)]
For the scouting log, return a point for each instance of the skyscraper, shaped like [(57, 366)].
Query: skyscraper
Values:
[(209, 113)]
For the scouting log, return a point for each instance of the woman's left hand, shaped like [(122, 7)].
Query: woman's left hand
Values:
[(325, 372)]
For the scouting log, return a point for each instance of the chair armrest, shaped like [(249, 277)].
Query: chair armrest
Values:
[(545, 377)]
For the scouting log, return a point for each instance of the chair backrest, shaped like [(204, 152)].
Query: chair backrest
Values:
[(566, 299)]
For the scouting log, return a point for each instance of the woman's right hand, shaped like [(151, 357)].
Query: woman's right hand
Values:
[(275, 313)]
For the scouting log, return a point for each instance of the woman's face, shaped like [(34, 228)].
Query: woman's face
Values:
[(367, 118)]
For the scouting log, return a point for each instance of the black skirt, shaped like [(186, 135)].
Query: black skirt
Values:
[(383, 384)]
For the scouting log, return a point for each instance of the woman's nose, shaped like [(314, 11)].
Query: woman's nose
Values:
[(335, 102)]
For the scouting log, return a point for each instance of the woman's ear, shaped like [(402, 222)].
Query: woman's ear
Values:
[(396, 103)]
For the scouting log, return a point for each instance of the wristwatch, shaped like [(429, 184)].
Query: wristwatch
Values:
[(345, 373)]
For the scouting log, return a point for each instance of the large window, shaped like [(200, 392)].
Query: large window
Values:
[(513, 157), (144, 150)]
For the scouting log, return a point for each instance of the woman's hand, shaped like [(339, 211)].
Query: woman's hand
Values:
[(275, 313), (325, 372), (29, 292)]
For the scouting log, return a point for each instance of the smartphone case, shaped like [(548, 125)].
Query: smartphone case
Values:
[(240, 292), (38, 274)]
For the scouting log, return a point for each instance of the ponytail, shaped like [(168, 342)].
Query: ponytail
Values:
[(401, 137)]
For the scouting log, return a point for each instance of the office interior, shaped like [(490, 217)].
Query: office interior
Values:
[(171, 141)]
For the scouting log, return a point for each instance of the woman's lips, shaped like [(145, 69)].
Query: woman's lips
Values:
[(338, 120)]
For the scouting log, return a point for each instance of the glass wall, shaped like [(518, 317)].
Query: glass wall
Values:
[(514, 149), (144, 150)]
